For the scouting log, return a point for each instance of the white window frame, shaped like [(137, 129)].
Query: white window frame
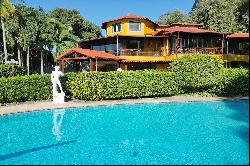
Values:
[(140, 28), (116, 27)]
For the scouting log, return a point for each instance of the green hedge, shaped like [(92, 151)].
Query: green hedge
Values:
[(126, 84), (196, 73), (118, 85), (25, 88), (231, 82), (11, 71)]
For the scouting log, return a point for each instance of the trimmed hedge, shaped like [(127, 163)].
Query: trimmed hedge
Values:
[(25, 88), (118, 85), (11, 71), (196, 73), (231, 82), (126, 84)]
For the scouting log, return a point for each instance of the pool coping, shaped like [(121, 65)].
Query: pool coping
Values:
[(47, 104)]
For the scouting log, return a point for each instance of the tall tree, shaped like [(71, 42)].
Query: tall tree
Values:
[(71, 27), (219, 15), (172, 17), (33, 35), (5, 9), (242, 16)]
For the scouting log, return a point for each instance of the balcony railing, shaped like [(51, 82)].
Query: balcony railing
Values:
[(201, 50), (190, 50), (130, 52)]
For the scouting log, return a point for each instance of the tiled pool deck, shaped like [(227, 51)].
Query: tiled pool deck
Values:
[(43, 105)]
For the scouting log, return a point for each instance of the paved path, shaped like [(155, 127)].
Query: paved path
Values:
[(43, 105)]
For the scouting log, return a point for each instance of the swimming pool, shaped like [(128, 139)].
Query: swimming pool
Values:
[(215, 132)]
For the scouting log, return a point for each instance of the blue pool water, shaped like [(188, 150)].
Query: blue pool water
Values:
[(214, 132)]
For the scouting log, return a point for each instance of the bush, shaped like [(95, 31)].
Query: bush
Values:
[(231, 82), (196, 73), (11, 70), (126, 84), (25, 88), (119, 85)]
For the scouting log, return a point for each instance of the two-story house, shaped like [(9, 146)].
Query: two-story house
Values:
[(139, 43)]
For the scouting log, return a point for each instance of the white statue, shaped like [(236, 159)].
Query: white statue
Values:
[(56, 129), (119, 69), (55, 75)]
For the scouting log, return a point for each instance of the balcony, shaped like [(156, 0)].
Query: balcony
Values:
[(201, 50), (135, 52)]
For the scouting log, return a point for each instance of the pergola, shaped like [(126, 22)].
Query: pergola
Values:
[(92, 56)]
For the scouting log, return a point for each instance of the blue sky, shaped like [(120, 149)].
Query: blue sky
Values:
[(98, 11)]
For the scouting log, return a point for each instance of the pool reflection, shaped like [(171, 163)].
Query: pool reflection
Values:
[(58, 115)]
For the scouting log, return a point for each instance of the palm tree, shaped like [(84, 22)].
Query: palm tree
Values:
[(6, 8)]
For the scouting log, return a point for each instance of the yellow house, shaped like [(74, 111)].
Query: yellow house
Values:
[(143, 44)]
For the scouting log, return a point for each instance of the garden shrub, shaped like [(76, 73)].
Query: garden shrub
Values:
[(25, 88), (126, 84), (7, 70), (196, 73), (231, 82), (119, 85)]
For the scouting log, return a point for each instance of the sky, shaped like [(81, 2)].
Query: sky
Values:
[(98, 11)]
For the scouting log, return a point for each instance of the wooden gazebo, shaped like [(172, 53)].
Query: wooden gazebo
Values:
[(92, 56)]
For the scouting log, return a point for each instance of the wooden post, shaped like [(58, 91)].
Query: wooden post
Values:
[(227, 47), (126, 66), (117, 45), (178, 44), (222, 45), (91, 66), (96, 67), (167, 51), (63, 66)]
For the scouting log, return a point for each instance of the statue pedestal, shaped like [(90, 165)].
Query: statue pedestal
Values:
[(58, 98)]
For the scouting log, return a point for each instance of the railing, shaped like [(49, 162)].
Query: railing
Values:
[(199, 50), (131, 52)]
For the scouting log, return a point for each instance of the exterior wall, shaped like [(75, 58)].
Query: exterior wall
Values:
[(150, 58), (105, 65), (124, 66), (228, 58), (162, 66), (146, 28), (236, 58)]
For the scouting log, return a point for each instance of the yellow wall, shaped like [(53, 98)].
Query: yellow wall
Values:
[(150, 58), (242, 58), (147, 27), (237, 58)]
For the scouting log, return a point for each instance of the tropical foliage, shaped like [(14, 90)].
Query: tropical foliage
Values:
[(172, 17), (221, 15), (34, 37), (11, 70), (6, 8)]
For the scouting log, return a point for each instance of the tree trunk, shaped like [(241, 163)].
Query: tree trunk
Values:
[(19, 56), (42, 62), (4, 41), (28, 60)]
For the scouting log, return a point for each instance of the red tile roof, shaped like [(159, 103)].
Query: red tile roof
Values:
[(172, 29), (143, 61), (89, 53), (182, 24), (238, 35), (102, 55), (128, 16)]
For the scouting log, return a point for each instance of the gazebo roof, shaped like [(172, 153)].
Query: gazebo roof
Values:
[(86, 54), (238, 35)]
